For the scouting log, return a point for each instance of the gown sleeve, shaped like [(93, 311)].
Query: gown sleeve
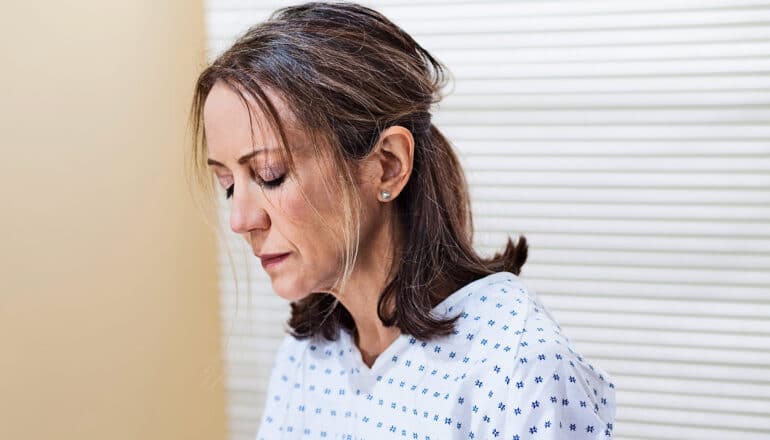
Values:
[(562, 397), (553, 392), (278, 390)]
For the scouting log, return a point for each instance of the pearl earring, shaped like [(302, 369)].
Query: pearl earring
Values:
[(385, 195)]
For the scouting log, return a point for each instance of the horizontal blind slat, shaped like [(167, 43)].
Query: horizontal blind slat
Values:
[(745, 99)]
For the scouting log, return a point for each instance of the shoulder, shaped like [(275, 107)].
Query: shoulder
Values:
[(516, 314), (287, 359), (547, 384), (289, 348), (503, 302), (512, 310), (493, 313), (486, 296), (293, 355)]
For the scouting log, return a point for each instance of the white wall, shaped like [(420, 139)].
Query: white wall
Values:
[(109, 311), (629, 142)]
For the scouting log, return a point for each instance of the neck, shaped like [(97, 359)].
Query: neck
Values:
[(362, 292)]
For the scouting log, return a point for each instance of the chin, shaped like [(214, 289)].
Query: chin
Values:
[(289, 291)]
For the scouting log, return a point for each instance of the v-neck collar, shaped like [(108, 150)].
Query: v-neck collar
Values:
[(364, 377)]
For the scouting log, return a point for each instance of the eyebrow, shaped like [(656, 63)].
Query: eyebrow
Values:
[(241, 161)]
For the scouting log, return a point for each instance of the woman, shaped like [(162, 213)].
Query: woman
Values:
[(316, 123)]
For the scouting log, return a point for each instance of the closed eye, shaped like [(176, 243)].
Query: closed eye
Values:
[(274, 183), (269, 184)]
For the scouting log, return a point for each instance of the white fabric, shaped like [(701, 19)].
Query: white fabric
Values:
[(507, 372)]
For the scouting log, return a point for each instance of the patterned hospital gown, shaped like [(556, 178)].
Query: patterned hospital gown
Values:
[(507, 372)]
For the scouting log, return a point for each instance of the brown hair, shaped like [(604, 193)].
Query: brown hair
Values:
[(347, 72)]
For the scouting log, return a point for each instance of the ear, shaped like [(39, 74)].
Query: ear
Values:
[(394, 154)]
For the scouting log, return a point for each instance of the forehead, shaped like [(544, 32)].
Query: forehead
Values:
[(229, 126)]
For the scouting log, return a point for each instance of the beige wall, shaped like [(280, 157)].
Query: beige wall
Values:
[(109, 320)]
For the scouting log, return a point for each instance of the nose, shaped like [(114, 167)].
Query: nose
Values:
[(247, 213)]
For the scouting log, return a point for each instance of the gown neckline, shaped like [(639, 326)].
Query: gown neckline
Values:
[(440, 311)]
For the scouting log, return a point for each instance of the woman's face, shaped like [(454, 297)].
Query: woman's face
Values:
[(266, 205)]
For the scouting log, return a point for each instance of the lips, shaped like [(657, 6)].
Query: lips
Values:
[(272, 259)]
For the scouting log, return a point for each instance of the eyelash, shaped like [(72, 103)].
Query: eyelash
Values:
[(269, 184)]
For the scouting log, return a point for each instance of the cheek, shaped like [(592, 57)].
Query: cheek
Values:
[(310, 190), (294, 207), (305, 223), (318, 248)]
